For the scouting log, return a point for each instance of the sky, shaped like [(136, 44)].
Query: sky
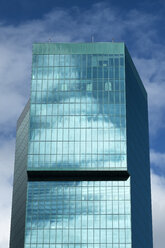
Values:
[(139, 24)]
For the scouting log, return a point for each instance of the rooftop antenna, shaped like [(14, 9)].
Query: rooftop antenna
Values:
[(92, 38)]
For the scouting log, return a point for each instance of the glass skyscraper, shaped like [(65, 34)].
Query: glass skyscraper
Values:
[(82, 172)]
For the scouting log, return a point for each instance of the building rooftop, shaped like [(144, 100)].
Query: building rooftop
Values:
[(78, 48)]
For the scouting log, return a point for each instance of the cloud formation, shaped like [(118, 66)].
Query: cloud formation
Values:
[(158, 159), (139, 32), (158, 206), (6, 172)]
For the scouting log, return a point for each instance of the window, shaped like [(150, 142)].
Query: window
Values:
[(89, 87), (108, 86)]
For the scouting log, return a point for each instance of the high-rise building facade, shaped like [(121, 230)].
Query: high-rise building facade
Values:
[(82, 173)]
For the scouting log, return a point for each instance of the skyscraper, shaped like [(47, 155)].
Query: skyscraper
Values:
[(82, 173)]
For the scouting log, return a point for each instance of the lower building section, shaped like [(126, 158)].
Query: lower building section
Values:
[(78, 214)]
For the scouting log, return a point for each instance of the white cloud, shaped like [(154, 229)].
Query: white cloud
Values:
[(135, 28), (6, 171), (158, 207), (158, 159)]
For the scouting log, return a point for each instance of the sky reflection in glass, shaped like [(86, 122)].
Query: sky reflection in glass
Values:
[(78, 214), (77, 112)]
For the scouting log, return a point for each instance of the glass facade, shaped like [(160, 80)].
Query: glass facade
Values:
[(138, 156), (20, 181), (86, 156), (78, 214), (78, 112)]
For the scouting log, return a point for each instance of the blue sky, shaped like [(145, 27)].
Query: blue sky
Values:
[(17, 11), (139, 24)]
